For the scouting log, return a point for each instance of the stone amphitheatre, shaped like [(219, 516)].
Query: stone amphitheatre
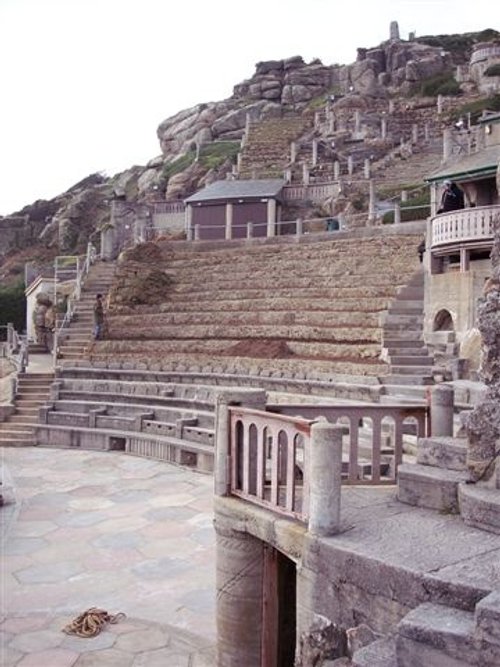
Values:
[(284, 450)]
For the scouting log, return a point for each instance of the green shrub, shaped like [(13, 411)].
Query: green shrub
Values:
[(13, 306), (182, 163), (215, 154), (493, 70), (441, 84), (408, 213)]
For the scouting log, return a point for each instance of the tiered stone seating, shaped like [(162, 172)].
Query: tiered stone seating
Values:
[(267, 148), (95, 410), (299, 310)]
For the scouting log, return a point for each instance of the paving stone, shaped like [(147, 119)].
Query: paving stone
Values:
[(117, 541), (9, 656), (132, 496), (173, 500), (180, 546), (200, 600), (146, 639), (54, 658), (82, 519), (92, 503), (106, 658), (162, 658), (39, 640), (78, 644), (34, 528), (23, 545), (204, 536), (40, 574), (162, 568), (176, 513), (21, 624)]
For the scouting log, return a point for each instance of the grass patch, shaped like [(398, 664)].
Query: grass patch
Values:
[(175, 167), (215, 154)]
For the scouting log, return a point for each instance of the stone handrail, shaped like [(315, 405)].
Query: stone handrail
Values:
[(464, 225), (314, 192), (350, 416), (168, 207), (264, 451)]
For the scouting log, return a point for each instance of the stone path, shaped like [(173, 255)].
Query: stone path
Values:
[(109, 530)]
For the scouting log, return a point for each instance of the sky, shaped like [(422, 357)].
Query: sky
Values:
[(84, 84)]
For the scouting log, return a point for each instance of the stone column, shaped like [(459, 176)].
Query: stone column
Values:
[(229, 221), (314, 152), (331, 123), (271, 217), (299, 229), (336, 170), (197, 232), (325, 478), (440, 104), (305, 174), (427, 134), (350, 164), (239, 581), (404, 195), (249, 230), (414, 133), (238, 162), (442, 398), (293, 152), (366, 168)]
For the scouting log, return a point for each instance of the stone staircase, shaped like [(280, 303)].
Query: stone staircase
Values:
[(410, 361), (32, 393), (74, 341), (266, 151), (441, 636)]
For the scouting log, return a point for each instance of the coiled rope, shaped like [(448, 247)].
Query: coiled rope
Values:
[(91, 622)]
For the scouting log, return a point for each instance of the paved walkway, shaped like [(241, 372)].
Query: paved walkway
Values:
[(114, 531)]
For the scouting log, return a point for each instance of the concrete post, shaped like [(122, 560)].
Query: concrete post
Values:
[(404, 195), (350, 164), (239, 582), (366, 168), (383, 128), (271, 217), (325, 478), (440, 104), (238, 162), (427, 133), (299, 227), (197, 232), (249, 230), (414, 133), (397, 213), (341, 219), (305, 174), (331, 123), (314, 152), (464, 260), (442, 398), (336, 170), (250, 398), (447, 147), (293, 152), (371, 203), (229, 221)]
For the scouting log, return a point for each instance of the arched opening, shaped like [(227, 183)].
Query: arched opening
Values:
[(443, 321)]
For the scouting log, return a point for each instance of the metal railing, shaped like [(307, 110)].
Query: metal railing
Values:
[(464, 225)]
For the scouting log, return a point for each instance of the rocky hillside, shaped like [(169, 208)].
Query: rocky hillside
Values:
[(200, 144)]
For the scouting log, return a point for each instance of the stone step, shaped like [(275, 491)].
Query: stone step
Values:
[(392, 342), (397, 379), (380, 653), (438, 635), (412, 369), (480, 507), (8, 441), (432, 488), (32, 388), (443, 452), (420, 360), (17, 418)]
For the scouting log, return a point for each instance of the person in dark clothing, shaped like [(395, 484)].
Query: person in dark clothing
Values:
[(452, 198), (98, 318)]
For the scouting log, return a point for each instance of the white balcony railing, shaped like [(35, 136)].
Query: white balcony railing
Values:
[(465, 225)]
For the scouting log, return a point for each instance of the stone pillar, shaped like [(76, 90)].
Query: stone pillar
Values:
[(447, 144), (249, 230), (325, 478), (197, 232), (293, 152), (250, 398), (238, 162), (229, 221), (394, 31), (271, 217), (383, 128), (442, 397), (404, 195), (239, 581), (350, 164), (366, 168), (305, 174), (371, 202), (299, 228), (397, 213), (314, 152), (427, 134), (336, 170), (331, 123)]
